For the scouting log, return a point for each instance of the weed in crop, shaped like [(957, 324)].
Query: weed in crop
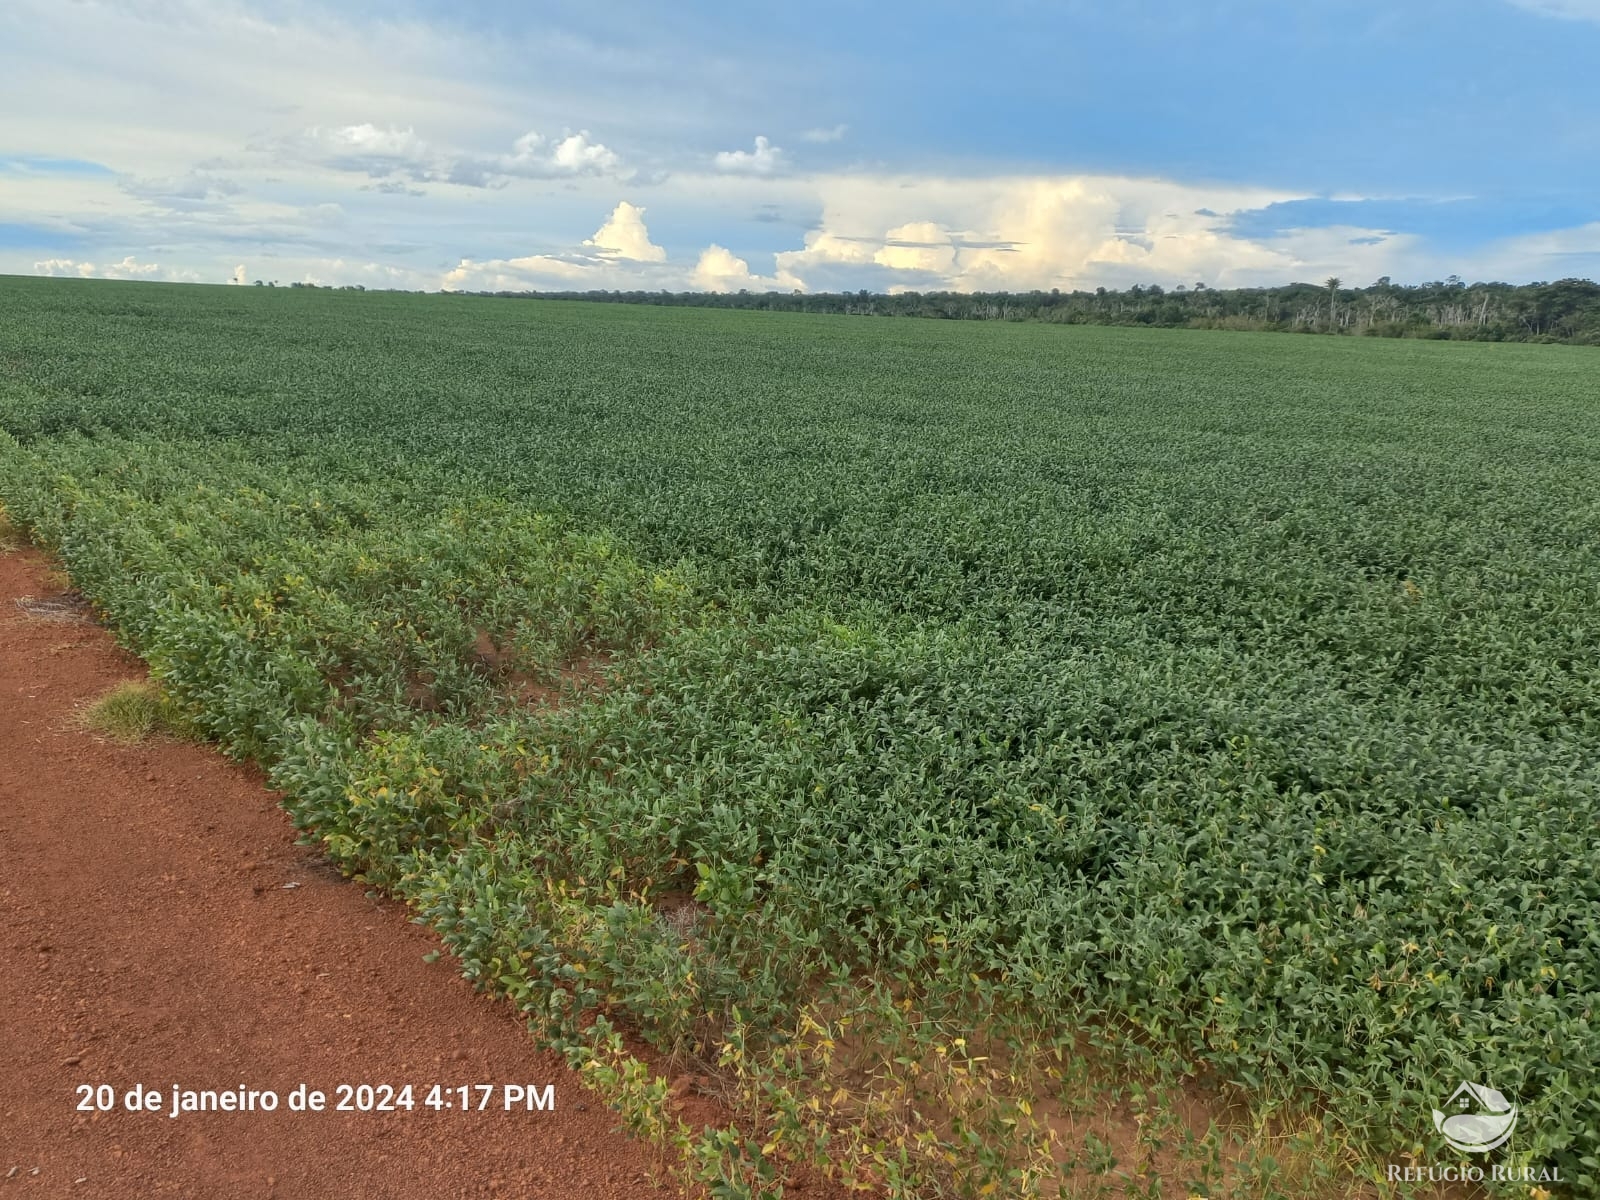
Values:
[(132, 712)]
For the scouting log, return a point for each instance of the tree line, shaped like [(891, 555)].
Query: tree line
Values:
[(1567, 310)]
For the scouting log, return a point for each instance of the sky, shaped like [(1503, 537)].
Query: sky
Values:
[(715, 145)]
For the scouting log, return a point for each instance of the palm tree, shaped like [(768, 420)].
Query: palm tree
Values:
[(1333, 296)]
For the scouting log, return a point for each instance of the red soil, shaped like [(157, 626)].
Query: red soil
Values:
[(162, 928)]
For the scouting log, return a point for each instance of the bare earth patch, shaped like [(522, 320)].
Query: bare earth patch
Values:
[(163, 928), (53, 608)]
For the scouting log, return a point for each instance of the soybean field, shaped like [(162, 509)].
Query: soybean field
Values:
[(939, 734)]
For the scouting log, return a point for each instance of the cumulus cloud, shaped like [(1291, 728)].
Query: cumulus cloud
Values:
[(1021, 233), (129, 268), (239, 276), (1013, 233), (885, 232), (917, 246), (399, 156), (624, 236), (64, 266), (619, 255), (531, 272), (763, 160), (535, 156), (365, 111), (720, 270), (367, 142)]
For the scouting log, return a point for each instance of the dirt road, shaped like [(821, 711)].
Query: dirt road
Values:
[(161, 928)]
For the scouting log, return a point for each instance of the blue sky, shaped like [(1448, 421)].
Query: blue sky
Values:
[(1016, 143)]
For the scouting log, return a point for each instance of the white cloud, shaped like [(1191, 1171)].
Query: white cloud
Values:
[(368, 140), (1019, 233), (1028, 232), (1574, 10), (238, 275), (720, 270), (574, 154), (386, 147), (157, 85), (531, 272), (917, 246), (624, 236), (129, 268), (396, 155), (891, 233), (763, 160), (619, 255), (64, 266)]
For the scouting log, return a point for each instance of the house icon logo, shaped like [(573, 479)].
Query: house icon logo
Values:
[(1478, 1120)]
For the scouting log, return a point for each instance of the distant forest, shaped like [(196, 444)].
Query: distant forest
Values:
[(1565, 311)]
